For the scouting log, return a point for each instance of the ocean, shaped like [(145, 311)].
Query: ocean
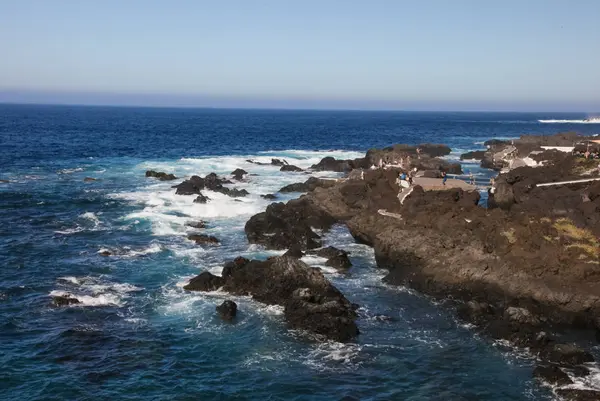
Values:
[(138, 335)]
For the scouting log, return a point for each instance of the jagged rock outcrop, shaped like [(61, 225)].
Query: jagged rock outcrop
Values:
[(160, 175), (311, 302), (238, 174), (201, 199), (205, 281), (283, 226), (211, 182), (308, 185), (64, 300), (290, 168), (227, 310), (473, 155)]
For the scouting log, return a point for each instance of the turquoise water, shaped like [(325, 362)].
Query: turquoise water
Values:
[(138, 335)]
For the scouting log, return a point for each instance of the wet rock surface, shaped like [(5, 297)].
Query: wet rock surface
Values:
[(238, 174), (196, 224), (227, 310), (201, 199), (64, 300), (310, 302), (309, 185), (205, 281), (283, 226), (290, 167), (211, 182), (160, 175), (204, 239)]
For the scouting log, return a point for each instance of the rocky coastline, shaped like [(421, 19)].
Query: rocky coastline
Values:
[(525, 269)]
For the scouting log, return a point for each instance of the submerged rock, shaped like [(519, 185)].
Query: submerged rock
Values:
[(204, 239), (205, 281), (227, 310), (89, 179), (269, 196), (201, 199), (196, 224), (64, 300), (105, 253), (160, 175)]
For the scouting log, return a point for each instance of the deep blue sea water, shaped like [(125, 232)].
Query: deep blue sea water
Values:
[(138, 335)]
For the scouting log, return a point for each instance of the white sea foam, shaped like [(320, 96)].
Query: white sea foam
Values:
[(90, 216), (590, 121), (70, 170), (94, 291), (89, 300)]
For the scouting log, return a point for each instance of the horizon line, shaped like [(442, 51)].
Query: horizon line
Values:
[(283, 108)]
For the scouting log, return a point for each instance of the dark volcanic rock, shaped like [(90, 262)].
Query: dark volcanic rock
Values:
[(196, 224), (4, 181), (204, 239), (290, 167), (89, 179), (231, 267), (193, 186), (552, 374), (308, 185), (340, 166), (566, 355), (205, 281), (474, 155), (160, 175), (572, 394), (269, 196), (340, 261), (294, 252), (277, 162), (311, 302), (227, 310), (234, 192), (283, 226), (201, 199), (239, 174), (64, 300), (105, 253), (330, 252)]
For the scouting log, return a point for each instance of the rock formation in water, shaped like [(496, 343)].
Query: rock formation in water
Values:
[(310, 301), (522, 268), (160, 175)]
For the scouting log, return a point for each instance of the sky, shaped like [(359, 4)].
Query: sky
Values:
[(524, 55)]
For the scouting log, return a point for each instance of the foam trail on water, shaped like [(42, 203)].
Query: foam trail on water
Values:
[(587, 121)]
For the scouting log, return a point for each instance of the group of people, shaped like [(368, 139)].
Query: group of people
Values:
[(587, 154), (408, 177)]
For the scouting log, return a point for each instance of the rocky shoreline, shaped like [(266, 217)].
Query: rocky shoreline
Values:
[(525, 269)]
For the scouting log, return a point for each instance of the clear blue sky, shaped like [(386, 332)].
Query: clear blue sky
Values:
[(426, 54)]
